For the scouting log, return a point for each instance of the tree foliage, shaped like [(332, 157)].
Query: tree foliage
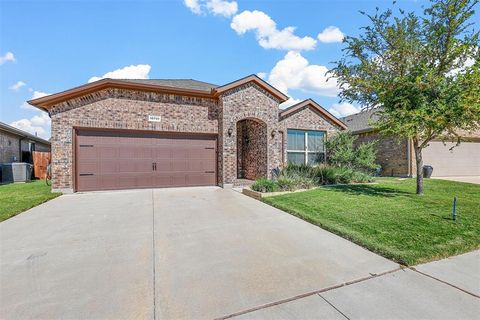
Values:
[(420, 73), (341, 152)]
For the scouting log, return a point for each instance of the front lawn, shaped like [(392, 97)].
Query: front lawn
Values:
[(390, 219), (18, 197)]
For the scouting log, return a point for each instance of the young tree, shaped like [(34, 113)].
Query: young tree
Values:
[(420, 72)]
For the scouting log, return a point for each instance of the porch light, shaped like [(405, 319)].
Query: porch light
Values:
[(274, 133), (230, 131)]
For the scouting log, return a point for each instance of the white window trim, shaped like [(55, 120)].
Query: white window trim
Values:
[(306, 152)]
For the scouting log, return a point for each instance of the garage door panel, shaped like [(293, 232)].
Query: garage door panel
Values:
[(126, 152), (462, 160), (178, 152), (164, 165), (133, 160), (200, 153), (86, 183), (87, 152), (202, 179), (179, 165), (107, 167), (162, 180), (107, 152)]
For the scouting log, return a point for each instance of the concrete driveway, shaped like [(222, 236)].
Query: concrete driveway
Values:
[(191, 253), (469, 179)]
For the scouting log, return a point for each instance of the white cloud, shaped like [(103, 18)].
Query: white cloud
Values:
[(217, 7), (470, 61), (343, 109), (331, 34), (267, 34), (139, 71), (17, 86), (222, 8), (193, 5), (295, 72), (290, 102), (35, 95), (37, 125), (262, 75), (9, 56)]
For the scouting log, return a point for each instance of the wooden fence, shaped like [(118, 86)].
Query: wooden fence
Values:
[(40, 162)]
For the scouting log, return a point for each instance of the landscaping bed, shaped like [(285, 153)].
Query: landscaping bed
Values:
[(18, 197), (390, 219)]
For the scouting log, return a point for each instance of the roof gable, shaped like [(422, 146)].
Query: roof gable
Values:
[(187, 87), (252, 78), (315, 107), (45, 102)]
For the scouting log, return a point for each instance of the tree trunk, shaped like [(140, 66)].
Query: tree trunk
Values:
[(419, 161)]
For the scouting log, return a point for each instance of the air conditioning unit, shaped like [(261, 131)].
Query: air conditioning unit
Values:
[(16, 172)]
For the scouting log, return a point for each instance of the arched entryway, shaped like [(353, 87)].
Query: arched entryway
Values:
[(251, 149)]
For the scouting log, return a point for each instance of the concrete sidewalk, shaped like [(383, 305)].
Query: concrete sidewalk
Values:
[(445, 289)]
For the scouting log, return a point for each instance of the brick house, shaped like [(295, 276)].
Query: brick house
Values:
[(119, 134), (397, 156), (17, 145)]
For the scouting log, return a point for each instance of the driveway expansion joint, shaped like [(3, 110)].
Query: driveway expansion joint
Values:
[(445, 282), (308, 294), (153, 256), (331, 304)]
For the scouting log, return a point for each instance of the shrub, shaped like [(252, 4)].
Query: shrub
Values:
[(361, 177), (342, 153), (365, 157), (340, 149), (286, 184), (305, 182), (264, 185)]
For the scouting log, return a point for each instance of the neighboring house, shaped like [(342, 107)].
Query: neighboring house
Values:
[(397, 156), (17, 145), (119, 134)]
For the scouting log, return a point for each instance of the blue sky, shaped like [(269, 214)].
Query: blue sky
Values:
[(50, 46)]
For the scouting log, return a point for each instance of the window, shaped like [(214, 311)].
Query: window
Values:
[(305, 147)]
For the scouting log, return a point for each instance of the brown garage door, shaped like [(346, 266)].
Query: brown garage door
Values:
[(107, 160)]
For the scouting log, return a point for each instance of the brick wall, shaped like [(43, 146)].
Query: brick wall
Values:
[(9, 147), (248, 101), (129, 109), (123, 109), (392, 153), (251, 149), (305, 119)]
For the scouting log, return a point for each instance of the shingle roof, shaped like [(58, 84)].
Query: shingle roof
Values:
[(360, 122), (177, 83), (21, 133)]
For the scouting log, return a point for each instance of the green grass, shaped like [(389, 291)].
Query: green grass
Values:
[(390, 219), (18, 197)]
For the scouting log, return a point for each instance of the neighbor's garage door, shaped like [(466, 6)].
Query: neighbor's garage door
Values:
[(107, 160), (463, 160)]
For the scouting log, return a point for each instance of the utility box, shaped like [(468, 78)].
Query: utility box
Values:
[(16, 172)]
